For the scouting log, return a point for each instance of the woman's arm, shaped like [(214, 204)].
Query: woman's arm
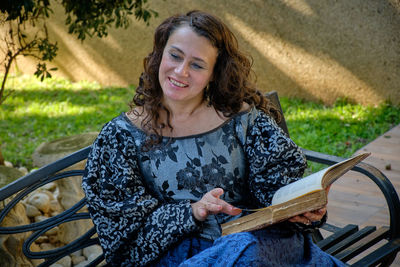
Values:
[(274, 161), (133, 226)]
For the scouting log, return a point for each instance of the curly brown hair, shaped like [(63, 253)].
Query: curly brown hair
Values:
[(232, 75)]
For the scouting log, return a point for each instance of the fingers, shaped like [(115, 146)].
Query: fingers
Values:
[(309, 217), (212, 204), (300, 219), (216, 205)]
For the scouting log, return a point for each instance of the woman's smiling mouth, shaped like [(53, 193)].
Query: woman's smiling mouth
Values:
[(176, 83)]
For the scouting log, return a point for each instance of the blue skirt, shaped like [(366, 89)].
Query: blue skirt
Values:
[(267, 247)]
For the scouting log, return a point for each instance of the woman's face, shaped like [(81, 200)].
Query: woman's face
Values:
[(186, 66)]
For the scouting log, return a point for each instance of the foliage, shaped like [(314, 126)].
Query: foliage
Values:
[(83, 18), (43, 111), (338, 130)]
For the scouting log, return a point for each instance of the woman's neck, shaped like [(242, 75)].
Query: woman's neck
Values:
[(184, 111)]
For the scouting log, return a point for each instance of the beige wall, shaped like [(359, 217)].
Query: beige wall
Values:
[(314, 49)]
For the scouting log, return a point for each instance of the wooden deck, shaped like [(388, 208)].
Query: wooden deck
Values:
[(354, 199)]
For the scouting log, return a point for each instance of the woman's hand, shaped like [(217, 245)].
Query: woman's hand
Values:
[(210, 203), (311, 216)]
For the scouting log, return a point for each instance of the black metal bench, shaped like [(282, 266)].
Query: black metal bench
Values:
[(344, 243)]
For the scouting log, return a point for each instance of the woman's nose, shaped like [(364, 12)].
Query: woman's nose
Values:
[(182, 69)]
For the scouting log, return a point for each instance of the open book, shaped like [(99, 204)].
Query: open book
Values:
[(304, 195)]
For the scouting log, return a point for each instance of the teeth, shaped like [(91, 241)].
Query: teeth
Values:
[(177, 83)]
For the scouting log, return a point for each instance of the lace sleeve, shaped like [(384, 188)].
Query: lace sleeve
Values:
[(133, 226), (274, 159)]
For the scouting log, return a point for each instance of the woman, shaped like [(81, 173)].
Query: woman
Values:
[(199, 143)]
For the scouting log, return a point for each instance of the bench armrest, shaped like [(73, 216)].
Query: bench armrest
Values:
[(384, 184)]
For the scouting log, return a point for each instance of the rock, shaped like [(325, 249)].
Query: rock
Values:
[(47, 192), (24, 170), (40, 218), (65, 262), (6, 259), (91, 251), (8, 164), (70, 191), (77, 259), (82, 264), (77, 253), (51, 151), (46, 246), (13, 243), (8, 175), (36, 248), (50, 187), (41, 201), (70, 231), (52, 231), (42, 239), (53, 239), (32, 211), (55, 206)]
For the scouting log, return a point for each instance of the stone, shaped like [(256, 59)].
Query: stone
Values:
[(47, 192), (8, 164), (32, 211), (70, 231), (42, 239), (52, 231), (46, 246), (77, 253), (82, 264), (13, 243), (65, 262), (70, 191), (55, 206), (49, 152), (40, 218), (8, 175), (36, 248), (92, 250), (77, 259), (50, 186), (53, 239), (41, 201), (24, 170)]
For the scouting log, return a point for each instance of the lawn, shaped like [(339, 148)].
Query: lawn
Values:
[(38, 112)]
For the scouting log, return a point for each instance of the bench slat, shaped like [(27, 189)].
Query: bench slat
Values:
[(350, 240), (384, 254), (337, 236), (363, 244)]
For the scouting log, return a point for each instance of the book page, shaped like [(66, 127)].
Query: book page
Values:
[(337, 170), (299, 188), (316, 181)]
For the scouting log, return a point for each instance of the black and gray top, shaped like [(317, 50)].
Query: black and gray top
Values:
[(140, 200)]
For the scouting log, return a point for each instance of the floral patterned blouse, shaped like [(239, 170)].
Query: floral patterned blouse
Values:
[(140, 200)]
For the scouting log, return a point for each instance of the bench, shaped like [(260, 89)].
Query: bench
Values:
[(344, 243)]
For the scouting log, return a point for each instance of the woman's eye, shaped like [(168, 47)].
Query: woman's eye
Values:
[(197, 66), (174, 56)]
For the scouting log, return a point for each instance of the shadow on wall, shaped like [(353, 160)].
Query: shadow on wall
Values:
[(313, 49)]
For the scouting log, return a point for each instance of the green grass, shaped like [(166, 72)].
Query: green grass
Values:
[(338, 130), (42, 111)]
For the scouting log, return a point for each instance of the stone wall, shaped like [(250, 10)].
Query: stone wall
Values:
[(314, 49)]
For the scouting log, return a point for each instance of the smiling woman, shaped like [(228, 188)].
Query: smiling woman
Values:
[(185, 70), (199, 144)]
